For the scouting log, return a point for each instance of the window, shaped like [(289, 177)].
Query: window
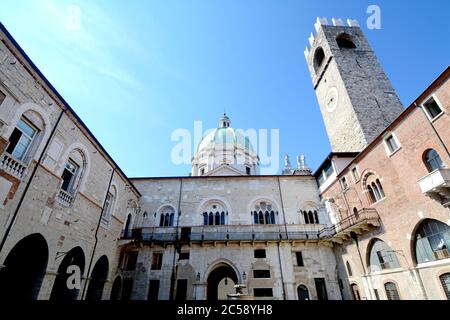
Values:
[(391, 291), (302, 292), (2, 97), (261, 274), (129, 261), (212, 218), (202, 171), (260, 253), (107, 210), (375, 190), (344, 184), (344, 41), (355, 292), (262, 292), (247, 170), (382, 257), (432, 108), (181, 294), (432, 241), (310, 217), (153, 290), (21, 139), (264, 213), (433, 160), (355, 174), (157, 260), (319, 56), (391, 143), (299, 257), (69, 176), (321, 289), (349, 269), (184, 255), (445, 281)]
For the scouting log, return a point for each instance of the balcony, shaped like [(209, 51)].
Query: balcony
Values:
[(362, 221), (12, 166), (225, 233), (65, 198), (436, 185)]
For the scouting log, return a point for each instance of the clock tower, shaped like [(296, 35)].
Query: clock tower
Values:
[(356, 98)]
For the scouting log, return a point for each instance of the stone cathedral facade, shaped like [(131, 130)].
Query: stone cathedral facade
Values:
[(372, 222)]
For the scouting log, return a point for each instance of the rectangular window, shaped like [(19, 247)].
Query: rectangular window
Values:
[(299, 257), (68, 176), (329, 170), (181, 290), (157, 260), (20, 139), (391, 143), (355, 174), (261, 274), (432, 108), (321, 289), (247, 170), (344, 183), (2, 97), (184, 255), (108, 207), (153, 290), (202, 171), (260, 253), (130, 259), (262, 292)]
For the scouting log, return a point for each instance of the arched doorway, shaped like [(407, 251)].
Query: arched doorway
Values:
[(116, 291), (302, 292), (355, 291), (61, 291), (24, 269), (98, 279), (220, 281)]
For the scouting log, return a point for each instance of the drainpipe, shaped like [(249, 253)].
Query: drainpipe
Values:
[(33, 173), (175, 268), (96, 232), (278, 243)]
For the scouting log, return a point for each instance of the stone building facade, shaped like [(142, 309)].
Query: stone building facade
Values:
[(63, 200)]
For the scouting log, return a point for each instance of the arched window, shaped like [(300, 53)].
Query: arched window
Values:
[(214, 213), (381, 256), (316, 217), (310, 217), (445, 281), (167, 215), (374, 188), (263, 213), (391, 291), (355, 292), (433, 160), (108, 207), (345, 41), (349, 269), (432, 241), (319, 56), (302, 292)]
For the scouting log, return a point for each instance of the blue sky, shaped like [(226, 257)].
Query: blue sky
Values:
[(135, 71)]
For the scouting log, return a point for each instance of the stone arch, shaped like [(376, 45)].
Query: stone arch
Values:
[(378, 249), (24, 268), (60, 291), (303, 291), (215, 274), (41, 114), (116, 290), (84, 153), (98, 278), (433, 255)]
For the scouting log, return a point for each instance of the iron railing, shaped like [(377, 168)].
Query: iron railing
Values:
[(247, 232)]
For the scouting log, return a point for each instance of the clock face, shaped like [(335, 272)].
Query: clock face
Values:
[(331, 100)]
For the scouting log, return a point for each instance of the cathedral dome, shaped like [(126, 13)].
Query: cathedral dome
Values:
[(225, 146)]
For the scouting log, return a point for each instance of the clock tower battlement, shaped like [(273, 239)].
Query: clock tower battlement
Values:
[(355, 96)]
